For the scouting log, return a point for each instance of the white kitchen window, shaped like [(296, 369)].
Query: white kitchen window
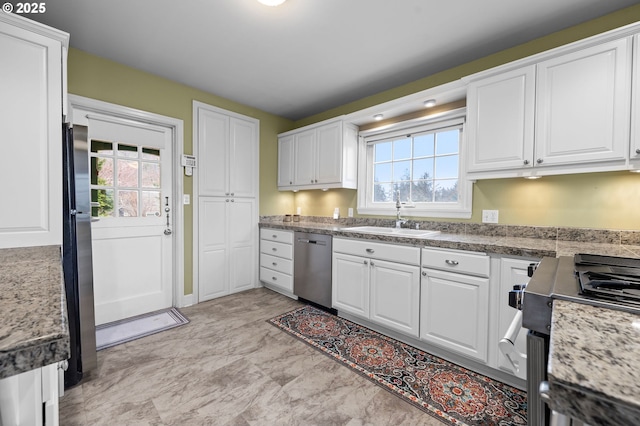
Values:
[(422, 166)]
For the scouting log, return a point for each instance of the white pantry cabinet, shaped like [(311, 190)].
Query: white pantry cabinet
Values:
[(276, 260), (565, 114), (31, 88), (454, 302), (227, 246), (320, 156), (226, 145), (378, 282)]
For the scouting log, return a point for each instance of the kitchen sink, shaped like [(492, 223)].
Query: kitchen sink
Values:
[(382, 230)]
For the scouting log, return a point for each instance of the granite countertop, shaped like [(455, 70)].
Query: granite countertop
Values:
[(34, 330), (524, 241), (593, 364)]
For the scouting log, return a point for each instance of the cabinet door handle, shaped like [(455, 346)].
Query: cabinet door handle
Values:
[(526, 162), (274, 264), (373, 264), (451, 262), (370, 251), (366, 263), (638, 151), (274, 236), (311, 180), (424, 274), (539, 160), (274, 278), (274, 249)]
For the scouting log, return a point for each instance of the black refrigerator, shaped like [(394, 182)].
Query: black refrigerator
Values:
[(76, 254)]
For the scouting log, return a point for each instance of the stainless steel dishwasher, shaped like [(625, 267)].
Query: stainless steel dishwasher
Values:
[(312, 268)]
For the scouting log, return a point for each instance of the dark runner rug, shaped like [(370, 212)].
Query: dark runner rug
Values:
[(447, 391)]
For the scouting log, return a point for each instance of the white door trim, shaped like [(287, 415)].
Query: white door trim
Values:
[(177, 145), (195, 200)]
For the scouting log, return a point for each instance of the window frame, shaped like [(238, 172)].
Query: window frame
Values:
[(461, 209)]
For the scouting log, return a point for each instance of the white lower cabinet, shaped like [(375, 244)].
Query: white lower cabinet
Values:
[(276, 259), (377, 287), (454, 302), (30, 398)]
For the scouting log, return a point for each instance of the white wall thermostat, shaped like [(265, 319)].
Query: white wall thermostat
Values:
[(188, 162)]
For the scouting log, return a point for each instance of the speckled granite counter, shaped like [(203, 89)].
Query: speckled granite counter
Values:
[(525, 241), (33, 314), (594, 370)]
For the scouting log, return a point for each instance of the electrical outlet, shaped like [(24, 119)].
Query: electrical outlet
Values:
[(186, 199), (350, 212), (489, 216)]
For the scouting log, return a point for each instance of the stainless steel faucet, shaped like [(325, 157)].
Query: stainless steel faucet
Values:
[(399, 220)]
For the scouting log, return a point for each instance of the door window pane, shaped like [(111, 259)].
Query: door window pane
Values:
[(128, 151), (127, 173), (101, 171), (127, 203), (150, 154), (104, 197), (150, 203), (150, 175)]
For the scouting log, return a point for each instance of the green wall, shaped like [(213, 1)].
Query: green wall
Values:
[(555, 201), (551, 201), (98, 78)]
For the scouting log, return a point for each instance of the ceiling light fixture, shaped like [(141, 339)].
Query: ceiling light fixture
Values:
[(532, 177), (430, 103), (378, 117), (272, 2)]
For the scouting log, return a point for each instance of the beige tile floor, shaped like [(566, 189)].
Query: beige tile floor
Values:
[(228, 366)]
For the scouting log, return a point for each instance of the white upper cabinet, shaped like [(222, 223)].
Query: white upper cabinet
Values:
[(583, 105), (31, 87), (318, 156), (565, 111), (634, 152), (285, 161), (500, 120), (228, 158)]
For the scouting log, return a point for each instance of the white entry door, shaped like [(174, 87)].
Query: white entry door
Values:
[(131, 186)]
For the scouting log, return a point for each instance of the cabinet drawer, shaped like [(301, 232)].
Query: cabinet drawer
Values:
[(390, 252), (465, 263), (276, 263), (276, 235), (276, 278), (276, 249)]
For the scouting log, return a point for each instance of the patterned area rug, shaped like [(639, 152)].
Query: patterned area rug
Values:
[(450, 393)]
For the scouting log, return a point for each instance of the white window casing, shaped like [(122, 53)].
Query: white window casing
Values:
[(367, 140)]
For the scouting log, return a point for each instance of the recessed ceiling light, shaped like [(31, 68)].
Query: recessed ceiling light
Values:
[(272, 2), (532, 177), (378, 117), (430, 103)]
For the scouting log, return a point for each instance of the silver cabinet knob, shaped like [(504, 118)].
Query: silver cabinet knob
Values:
[(526, 162), (290, 182), (274, 249), (424, 274), (370, 251), (366, 263), (539, 160), (274, 263), (372, 264), (274, 278), (638, 151)]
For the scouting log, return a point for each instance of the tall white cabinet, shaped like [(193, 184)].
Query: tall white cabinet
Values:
[(228, 170), (31, 115)]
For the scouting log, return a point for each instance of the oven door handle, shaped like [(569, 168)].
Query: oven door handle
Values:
[(507, 343)]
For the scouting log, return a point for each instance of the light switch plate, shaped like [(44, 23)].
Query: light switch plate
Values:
[(350, 212), (489, 216)]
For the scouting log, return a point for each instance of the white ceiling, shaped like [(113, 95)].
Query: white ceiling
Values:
[(307, 56)]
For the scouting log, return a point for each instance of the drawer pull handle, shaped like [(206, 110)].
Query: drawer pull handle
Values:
[(274, 236), (274, 249), (274, 264), (451, 262), (274, 278), (370, 251)]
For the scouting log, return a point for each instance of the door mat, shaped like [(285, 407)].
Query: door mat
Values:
[(118, 332), (447, 391)]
